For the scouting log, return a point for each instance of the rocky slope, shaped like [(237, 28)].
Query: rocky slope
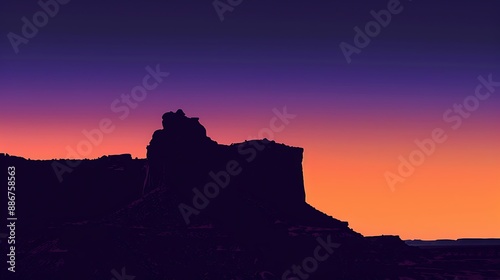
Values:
[(194, 209)]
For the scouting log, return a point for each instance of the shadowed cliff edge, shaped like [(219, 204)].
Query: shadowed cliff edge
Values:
[(196, 209)]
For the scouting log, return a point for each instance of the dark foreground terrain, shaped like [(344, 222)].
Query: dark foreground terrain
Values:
[(195, 209)]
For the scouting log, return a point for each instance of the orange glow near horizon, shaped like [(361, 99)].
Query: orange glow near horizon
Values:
[(454, 194)]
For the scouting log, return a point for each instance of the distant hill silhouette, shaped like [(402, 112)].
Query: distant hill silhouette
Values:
[(196, 209), (458, 242)]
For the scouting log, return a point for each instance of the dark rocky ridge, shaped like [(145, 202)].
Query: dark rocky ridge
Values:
[(257, 227), (265, 172)]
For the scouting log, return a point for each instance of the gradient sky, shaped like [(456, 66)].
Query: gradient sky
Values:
[(353, 120)]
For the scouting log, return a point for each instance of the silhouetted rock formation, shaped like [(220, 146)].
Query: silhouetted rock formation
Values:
[(266, 175), (199, 210), (181, 148), (180, 134)]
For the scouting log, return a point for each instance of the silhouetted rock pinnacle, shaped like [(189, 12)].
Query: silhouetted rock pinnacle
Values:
[(179, 133)]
